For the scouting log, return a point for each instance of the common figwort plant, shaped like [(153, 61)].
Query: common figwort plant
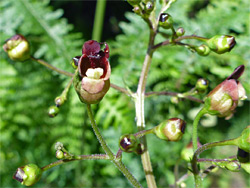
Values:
[(91, 81)]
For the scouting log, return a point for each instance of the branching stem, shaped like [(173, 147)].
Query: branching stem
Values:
[(51, 67)]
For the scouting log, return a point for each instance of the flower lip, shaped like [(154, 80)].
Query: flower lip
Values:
[(93, 58), (237, 72)]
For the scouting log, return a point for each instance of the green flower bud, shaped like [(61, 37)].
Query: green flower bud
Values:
[(17, 48), (243, 156), (59, 101), (74, 61), (166, 21), (53, 111), (59, 154), (134, 2), (180, 32), (221, 43), (137, 10), (201, 85), (28, 175), (244, 140), (128, 143), (202, 50), (149, 7), (170, 130)]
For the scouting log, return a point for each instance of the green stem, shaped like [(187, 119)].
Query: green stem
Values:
[(195, 128), (143, 133), (198, 180), (117, 161), (52, 67), (99, 17), (98, 133), (76, 158), (167, 42), (139, 106)]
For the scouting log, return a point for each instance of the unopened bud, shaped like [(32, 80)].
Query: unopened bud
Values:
[(203, 50), (53, 111), (128, 143), (180, 32), (166, 21), (221, 43), (74, 61), (171, 129), (28, 175), (201, 85), (59, 154), (17, 48)]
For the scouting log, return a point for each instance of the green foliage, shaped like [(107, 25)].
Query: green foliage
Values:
[(27, 90)]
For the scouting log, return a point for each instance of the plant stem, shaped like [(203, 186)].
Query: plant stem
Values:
[(98, 133), (116, 161), (99, 17), (118, 88), (51, 67), (169, 93), (76, 158), (139, 106), (198, 180), (195, 128), (143, 133), (167, 42)]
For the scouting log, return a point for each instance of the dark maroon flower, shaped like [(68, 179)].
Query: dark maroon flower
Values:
[(223, 99), (94, 72)]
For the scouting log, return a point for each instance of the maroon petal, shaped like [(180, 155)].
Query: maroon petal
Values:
[(84, 65), (90, 47), (237, 72)]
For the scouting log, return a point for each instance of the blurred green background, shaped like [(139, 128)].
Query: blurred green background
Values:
[(56, 31)]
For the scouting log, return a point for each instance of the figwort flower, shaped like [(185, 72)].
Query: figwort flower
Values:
[(223, 99), (17, 48), (92, 80), (28, 175)]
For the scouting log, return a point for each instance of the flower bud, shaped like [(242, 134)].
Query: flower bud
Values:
[(137, 10), (59, 101), (201, 85), (134, 2), (74, 61), (53, 111), (180, 32), (202, 50), (170, 130), (17, 48), (243, 156), (166, 21), (223, 99), (92, 81), (129, 143), (244, 140), (59, 154), (149, 7), (221, 43), (28, 175)]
